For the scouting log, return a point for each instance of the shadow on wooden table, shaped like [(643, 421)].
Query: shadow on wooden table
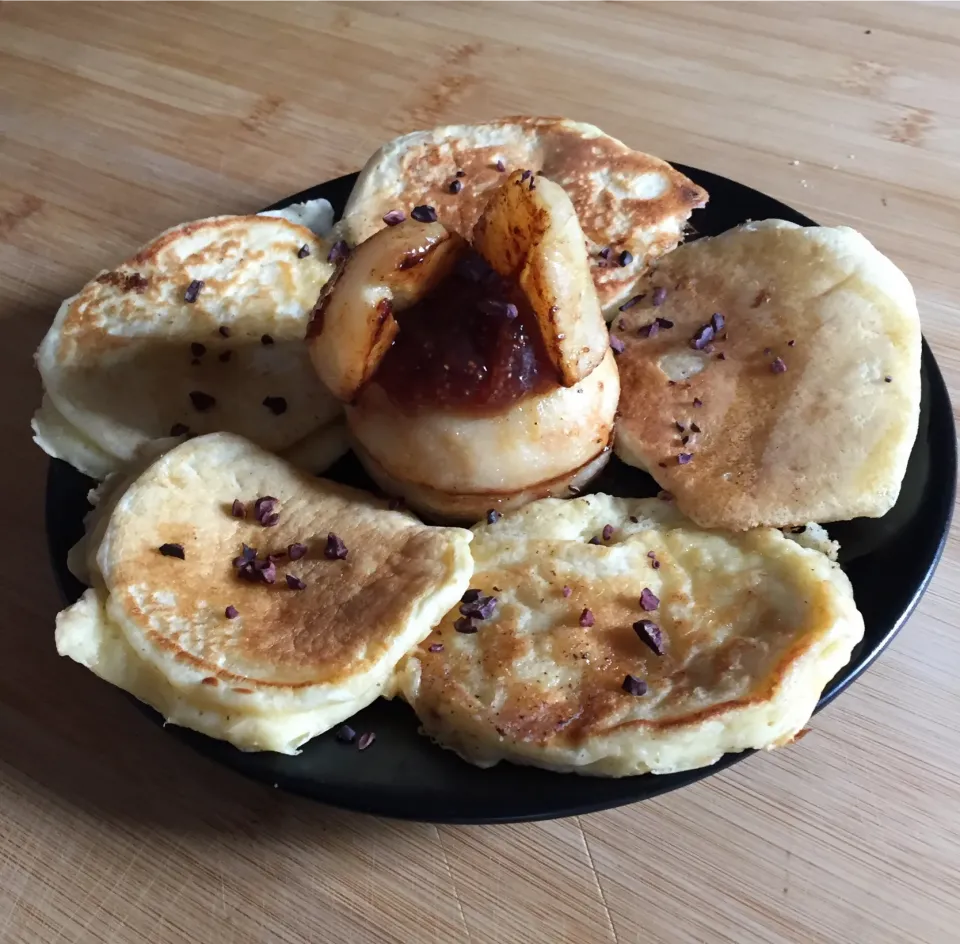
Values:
[(65, 736)]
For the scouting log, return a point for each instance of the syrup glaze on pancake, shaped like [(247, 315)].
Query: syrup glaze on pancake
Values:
[(500, 385), (804, 407), (750, 628), (626, 201)]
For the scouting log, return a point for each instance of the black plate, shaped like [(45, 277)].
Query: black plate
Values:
[(889, 560)]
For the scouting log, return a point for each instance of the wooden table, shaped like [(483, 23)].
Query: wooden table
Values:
[(119, 120)]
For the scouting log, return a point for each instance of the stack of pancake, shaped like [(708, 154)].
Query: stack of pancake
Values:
[(768, 379)]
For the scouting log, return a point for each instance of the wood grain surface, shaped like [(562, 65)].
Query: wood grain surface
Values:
[(118, 120)]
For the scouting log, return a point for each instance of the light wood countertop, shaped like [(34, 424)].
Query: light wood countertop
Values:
[(118, 120)]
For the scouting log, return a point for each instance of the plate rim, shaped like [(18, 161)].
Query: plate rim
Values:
[(653, 785)]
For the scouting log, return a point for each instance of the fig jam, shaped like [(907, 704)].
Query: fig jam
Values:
[(471, 344)]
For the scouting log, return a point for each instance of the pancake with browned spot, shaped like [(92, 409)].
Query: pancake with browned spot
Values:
[(626, 201), (266, 647), (778, 382), (656, 649), (201, 330)]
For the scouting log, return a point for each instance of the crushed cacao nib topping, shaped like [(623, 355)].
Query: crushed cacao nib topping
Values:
[(634, 686), (471, 595), (265, 508), (684, 458), (649, 601), (526, 175), (604, 253), (587, 619), (224, 331), (791, 343), (625, 258), (436, 647), (465, 625), (303, 251), (296, 551), (649, 331), (424, 214), (202, 401), (345, 734), (493, 516), (482, 608), (650, 633), (607, 532), (659, 296), (365, 740), (694, 428), (617, 345), (566, 591), (778, 366), (193, 290), (456, 186), (231, 612), (335, 549), (664, 323), (394, 217), (266, 340), (173, 550), (702, 338), (237, 509), (594, 540), (267, 570), (338, 252), (500, 166), (461, 173), (717, 322), (630, 302), (697, 402), (294, 583)]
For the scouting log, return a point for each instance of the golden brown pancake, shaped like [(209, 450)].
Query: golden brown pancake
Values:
[(475, 378), (293, 656), (626, 201), (743, 631), (803, 407), (201, 330)]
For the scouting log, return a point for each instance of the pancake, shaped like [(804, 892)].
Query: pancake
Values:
[(131, 359), (475, 378), (753, 627), (293, 661), (625, 200), (805, 406)]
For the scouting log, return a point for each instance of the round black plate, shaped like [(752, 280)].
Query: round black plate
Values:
[(889, 560)]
